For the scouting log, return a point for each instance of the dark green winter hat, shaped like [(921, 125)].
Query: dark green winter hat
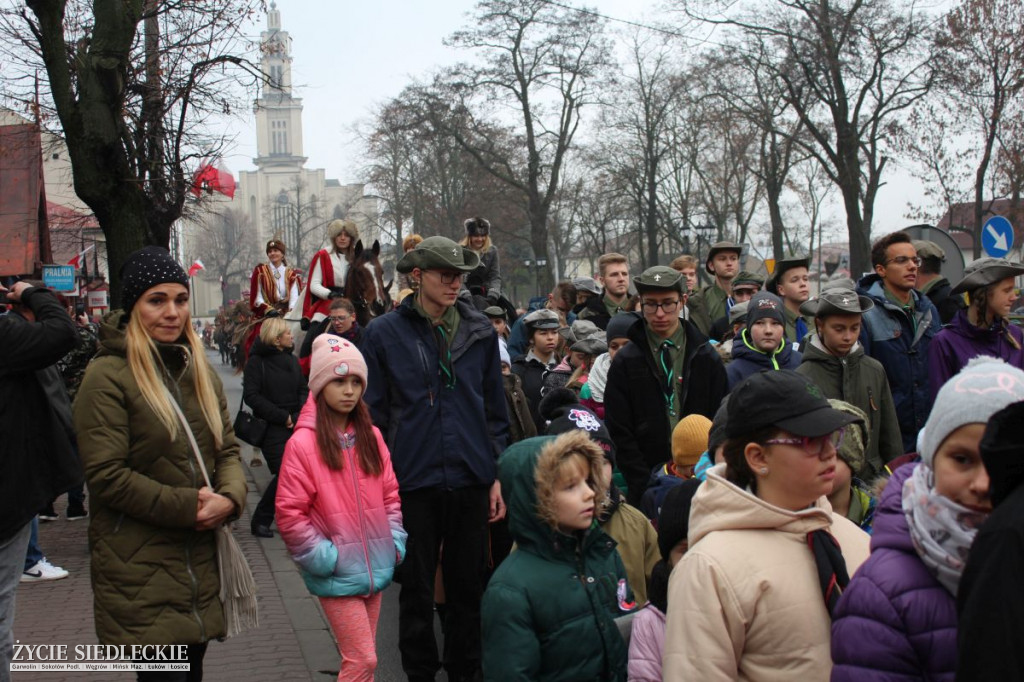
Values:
[(439, 253)]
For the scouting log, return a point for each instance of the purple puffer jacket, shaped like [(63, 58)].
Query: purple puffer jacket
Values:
[(895, 621), (959, 341)]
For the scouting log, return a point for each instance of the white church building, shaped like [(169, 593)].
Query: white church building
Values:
[(281, 197)]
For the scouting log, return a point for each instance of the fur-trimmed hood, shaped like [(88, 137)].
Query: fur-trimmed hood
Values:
[(527, 471)]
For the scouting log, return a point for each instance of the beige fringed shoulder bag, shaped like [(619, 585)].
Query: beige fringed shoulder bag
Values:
[(237, 586)]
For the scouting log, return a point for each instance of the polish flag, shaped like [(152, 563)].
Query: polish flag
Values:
[(213, 177), (196, 267), (80, 258)]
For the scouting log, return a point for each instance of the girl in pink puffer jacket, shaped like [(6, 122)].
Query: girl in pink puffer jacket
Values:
[(338, 508)]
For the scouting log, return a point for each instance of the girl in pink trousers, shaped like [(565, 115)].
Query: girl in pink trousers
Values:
[(338, 509)]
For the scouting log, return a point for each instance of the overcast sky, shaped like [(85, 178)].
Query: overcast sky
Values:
[(350, 56)]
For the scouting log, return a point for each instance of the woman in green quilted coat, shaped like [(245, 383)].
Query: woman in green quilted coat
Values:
[(154, 565)]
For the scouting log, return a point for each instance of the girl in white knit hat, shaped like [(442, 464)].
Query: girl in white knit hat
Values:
[(338, 508)]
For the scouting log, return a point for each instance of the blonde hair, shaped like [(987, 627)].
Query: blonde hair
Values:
[(272, 330), (683, 262), (610, 259), (483, 249), (143, 359), (572, 452)]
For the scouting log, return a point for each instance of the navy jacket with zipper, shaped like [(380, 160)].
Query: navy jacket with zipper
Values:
[(634, 402), (890, 337), (747, 360), (439, 437)]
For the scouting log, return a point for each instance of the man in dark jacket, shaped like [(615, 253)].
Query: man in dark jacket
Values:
[(989, 602), (38, 461), (898, 330), (932, 284), (614, 272), (435, 391), (667, 371)]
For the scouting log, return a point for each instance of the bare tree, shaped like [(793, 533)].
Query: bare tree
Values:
[(983, 63), (539, 61), (229, 249), (849, 71), (134, 84)]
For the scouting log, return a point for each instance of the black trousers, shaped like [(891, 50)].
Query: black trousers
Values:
[(273, 452), (455, 520), (196, 652)]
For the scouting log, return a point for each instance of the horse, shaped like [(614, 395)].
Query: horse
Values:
[(364, 284)]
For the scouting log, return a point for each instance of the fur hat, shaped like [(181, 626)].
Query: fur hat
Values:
[(982, 388), (336, 227), (856, 438), (145, 269), (477, 227), (276, 244), (690, 440), (562, 408), (334, 357)]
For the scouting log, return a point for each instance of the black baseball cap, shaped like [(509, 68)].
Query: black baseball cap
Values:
[(784, 399)]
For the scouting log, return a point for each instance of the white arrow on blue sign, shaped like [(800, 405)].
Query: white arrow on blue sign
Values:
[(997, 236)]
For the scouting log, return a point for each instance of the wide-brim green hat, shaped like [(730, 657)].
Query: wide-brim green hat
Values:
[(716, 249), (985, 271), (439, 253), (780, 269), (837, 301)]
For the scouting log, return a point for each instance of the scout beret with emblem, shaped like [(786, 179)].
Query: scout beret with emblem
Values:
[(659, 277)]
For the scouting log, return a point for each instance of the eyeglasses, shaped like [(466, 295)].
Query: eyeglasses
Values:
[(812, 446), (335, 318), (448, 277), (669, 307), (903, 260)]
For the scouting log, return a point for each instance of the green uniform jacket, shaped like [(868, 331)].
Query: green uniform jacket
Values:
[(706, 305), (154, 578), (548, 610), (861, 381)]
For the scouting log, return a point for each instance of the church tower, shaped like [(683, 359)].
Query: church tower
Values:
[(278, 113)]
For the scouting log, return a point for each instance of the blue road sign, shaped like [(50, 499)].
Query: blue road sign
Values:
[(997, 236), (59, 277)]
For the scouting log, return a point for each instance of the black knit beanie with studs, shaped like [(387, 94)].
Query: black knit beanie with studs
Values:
[(146, 268)]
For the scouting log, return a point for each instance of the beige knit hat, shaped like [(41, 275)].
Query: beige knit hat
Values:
[(690, 440)]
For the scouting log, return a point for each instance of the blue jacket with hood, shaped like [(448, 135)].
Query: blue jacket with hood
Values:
[(900, 343), (747, 359), (439, 437)]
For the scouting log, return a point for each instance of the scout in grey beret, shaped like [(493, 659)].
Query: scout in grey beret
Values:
[(439, 253), (985, 271), (591, 345), (579, 330), (927, 249), (587, 284), (660, 277), (542, 319), (738, 313), (837, 301), (747, 279), (494, 311)]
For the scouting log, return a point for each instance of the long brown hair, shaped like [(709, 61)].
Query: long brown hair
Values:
[(328, 428)]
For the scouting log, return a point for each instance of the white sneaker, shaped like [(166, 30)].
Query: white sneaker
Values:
[(43, 570)]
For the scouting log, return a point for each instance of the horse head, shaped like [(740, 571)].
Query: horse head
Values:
[(364, 284)]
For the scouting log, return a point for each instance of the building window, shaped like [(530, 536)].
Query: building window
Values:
[(277, 76), (279, 138)]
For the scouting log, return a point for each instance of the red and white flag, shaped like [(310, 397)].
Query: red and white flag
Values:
[(214, 177), (196, 267), (80, 258)]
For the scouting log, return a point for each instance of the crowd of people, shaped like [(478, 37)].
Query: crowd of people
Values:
[(640, 479)]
